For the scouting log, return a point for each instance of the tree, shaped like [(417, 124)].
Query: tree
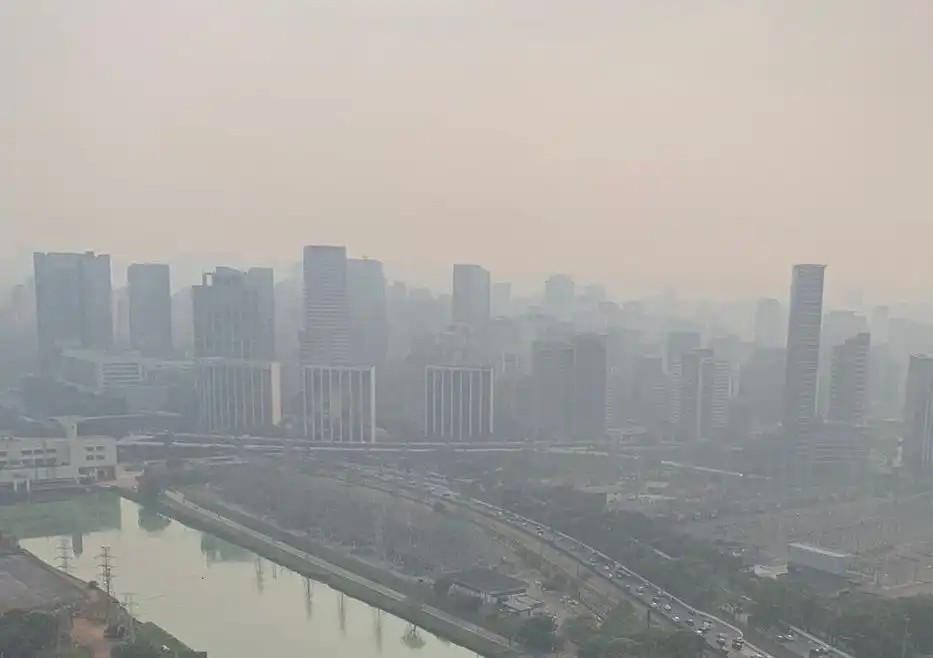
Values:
[(138, 649), (538, 634), (24, 634)]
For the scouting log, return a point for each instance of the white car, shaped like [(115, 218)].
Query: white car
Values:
[(667, 607)]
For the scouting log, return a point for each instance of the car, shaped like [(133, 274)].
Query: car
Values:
[(690, 622), (641, 589), (781, 638), (790, 636), (654, 604), (738, 643), (667, 607), (676, 619)]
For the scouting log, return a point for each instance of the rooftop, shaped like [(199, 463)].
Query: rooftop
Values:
[(488, 582), (817, 549)]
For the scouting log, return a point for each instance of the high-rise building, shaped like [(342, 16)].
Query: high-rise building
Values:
[(918, 414), (262, 280), (704, 387), (238, 396), (150, 308), (552, 376), (369, 323), (679, 343), (848, 400), (227, 316), (560, 297), (325, 339), (339, 403), (570, 388), (73, 303), (590, 383), (803, 352), (762, 385), (471, 299), (458, 404), (769, 323)]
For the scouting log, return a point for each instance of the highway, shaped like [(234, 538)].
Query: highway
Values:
[(179, 499), (617, 581)]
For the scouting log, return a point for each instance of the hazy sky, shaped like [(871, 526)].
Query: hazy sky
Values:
[(711, 142)]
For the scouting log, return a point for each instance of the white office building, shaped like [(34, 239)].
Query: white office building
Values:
[(100, 372), (458, 404), (30, 463), (239, 396), (339, 403)]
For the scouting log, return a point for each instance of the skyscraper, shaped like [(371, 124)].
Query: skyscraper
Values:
[(590, 383), (227, 316), (552, 377), (73, 302), (471, 296), (570, 388), (848, 399), (803, 352), (262, 280), (704, 385), (369, 324), (150, 308), (325, 339), (918, 414)]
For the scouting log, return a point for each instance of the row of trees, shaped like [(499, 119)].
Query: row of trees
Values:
[(709, 577), (624, 633), (26, 634)]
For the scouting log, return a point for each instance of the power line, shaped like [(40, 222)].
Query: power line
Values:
[(105, 567), (130, 606), (63, 558)]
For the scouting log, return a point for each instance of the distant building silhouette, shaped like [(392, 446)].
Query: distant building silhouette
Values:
[(471, 298), (803, 353), (368, 311), (228, 319), (918, 414), (325, 338), (150, 308), (848, 400), (73, 303)]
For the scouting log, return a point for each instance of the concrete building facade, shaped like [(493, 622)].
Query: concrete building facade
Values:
[(73, 303), (325, 337), (227, 316), (339, 403), (149, 293), (471, 298), (849, 387), (803, 353), (238, 396), (458, 403), (918, 414)]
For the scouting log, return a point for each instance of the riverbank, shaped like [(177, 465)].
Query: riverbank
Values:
[(270, 542)]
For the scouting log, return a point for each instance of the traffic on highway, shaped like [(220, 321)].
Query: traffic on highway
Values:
[(717, 632)]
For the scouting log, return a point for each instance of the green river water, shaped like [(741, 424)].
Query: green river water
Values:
[(212, 595)]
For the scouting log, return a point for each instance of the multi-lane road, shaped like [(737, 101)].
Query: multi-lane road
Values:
[(608, 577)]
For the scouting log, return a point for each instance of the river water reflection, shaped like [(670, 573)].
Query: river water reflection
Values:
[(210, 594)]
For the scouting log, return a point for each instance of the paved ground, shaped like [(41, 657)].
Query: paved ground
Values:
[(24, 584)]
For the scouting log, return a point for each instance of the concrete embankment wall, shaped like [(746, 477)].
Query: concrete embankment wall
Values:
[(267, 548)]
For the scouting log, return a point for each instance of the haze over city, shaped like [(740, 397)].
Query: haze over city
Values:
[(704, 145), (460, 328)]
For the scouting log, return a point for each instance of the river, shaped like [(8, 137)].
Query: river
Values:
[(212, 595)]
